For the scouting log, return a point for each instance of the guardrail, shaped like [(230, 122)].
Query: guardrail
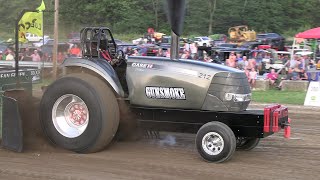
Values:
[(27, 64)]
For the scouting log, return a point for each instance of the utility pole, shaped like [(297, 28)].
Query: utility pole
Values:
[(56, 38)]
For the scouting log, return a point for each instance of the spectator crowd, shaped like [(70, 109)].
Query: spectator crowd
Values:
[(37, 54)]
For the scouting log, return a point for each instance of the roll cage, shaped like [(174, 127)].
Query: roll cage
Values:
[(95, 40)]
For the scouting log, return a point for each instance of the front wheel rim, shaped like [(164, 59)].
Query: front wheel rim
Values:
[(212, 143), (70, 115)]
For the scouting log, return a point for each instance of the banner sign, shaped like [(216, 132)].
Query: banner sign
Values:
[(31, 22), (313, 94)]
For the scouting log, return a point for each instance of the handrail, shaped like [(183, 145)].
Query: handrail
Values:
[(26, 64)]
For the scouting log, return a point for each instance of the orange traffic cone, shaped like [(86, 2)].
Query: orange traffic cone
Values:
[(287, 129)]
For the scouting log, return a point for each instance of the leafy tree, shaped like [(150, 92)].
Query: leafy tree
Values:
[(203, 17)]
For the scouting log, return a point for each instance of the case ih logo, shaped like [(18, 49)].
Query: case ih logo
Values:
[(9, 75), (165, 93), (142, 65)]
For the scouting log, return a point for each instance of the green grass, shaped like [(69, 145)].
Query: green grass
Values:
[(276, 96)]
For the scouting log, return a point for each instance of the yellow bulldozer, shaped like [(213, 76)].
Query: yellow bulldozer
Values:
[(240, 34)]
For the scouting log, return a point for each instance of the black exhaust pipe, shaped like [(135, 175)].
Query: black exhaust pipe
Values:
[(176, 13)]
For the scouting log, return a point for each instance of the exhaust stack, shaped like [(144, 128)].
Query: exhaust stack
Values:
[(176, 13)]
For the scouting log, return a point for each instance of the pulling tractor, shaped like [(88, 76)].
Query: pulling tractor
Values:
[(82, 110), (102, 95)]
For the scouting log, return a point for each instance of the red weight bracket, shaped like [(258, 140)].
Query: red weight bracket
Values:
[(268, 111)]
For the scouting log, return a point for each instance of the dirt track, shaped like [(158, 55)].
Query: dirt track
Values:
[(171, 157)]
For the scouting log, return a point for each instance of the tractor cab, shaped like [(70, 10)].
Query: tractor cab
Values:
[(98, 42)]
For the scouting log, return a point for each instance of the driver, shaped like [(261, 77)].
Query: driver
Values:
[(103, 48)]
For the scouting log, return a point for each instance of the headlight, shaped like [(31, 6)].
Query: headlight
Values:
[(229, 96), (237, 97)]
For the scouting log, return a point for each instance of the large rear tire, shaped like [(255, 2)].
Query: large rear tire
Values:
[(79, 112), (215, 142)]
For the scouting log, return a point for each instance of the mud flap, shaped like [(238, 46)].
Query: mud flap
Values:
[(12, 134)]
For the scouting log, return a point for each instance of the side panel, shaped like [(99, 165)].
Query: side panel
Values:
[(243, 124), (161, 82), (101, 67)]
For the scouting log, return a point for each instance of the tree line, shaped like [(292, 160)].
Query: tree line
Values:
[(203, 17)]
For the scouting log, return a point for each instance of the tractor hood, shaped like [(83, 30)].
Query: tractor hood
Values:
[(205, 86)]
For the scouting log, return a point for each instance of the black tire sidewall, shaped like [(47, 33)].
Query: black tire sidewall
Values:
[(227, 135), (83, 90), (249, 144)]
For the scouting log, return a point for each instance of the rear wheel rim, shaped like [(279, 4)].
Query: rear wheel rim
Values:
[(70, 115), (212, 143)]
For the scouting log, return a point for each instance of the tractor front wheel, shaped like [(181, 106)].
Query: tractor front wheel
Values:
[(215, 142)]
